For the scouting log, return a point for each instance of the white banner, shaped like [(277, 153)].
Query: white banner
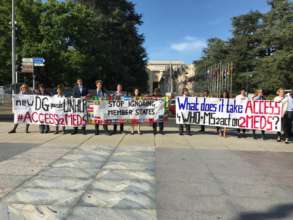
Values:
[(232, 113), (35, 109), (127, 110)]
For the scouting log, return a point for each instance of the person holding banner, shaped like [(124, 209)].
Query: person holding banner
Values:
[(206, 94), (79, 91), (59, 95), (223, 131), (100, 93), (136, 96), (185, 93), (281, 98), (160, 123), (290, 112), (241, 97), (117, 96), (258, 97), (43, 92), (24, 90)]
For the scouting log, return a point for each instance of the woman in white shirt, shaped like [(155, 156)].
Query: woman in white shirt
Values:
[(241, 97), (281, 98), (59, 95)]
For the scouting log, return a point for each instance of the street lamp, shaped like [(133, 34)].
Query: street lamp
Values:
[(13, 54)]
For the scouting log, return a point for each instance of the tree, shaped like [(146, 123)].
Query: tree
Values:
[(261, 48), (97, 41)]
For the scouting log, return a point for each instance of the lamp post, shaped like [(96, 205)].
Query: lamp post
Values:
[(13, 54)]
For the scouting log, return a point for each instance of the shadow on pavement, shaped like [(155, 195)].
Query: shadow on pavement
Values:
[(277, 212), (9, 150)]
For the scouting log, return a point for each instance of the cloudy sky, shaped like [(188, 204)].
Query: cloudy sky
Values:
[(179, 29)]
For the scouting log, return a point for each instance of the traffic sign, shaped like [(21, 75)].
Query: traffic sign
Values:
[(38, 60), (39, 64), (27, 60), (27, 68)]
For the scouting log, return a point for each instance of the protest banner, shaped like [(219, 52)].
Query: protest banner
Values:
[(231, 113), (127, 110), (36, 109)]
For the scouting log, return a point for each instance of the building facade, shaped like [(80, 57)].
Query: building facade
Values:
[(171, 76)]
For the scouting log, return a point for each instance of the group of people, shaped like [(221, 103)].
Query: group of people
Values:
[(81, 91), (286, 112)]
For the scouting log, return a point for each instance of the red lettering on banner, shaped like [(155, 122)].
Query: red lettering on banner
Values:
[(35, 117), (278, 107), (248, 107), (27, 116), (269, 124), (241, 122), (261, 107)]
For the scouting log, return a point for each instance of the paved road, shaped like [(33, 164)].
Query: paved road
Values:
[(201, 177)]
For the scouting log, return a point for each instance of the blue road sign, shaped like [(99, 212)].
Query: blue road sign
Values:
[(38, 60)]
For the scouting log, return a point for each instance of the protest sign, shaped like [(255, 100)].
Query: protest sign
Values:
[(126, 110), (232, 113), (36, 109)]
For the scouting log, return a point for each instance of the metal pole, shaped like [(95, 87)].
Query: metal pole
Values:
[(34, 80), (171, 79), (13, 43), (232, 72)]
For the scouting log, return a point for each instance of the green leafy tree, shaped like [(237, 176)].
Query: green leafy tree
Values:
[(260, 48), (97, 41)]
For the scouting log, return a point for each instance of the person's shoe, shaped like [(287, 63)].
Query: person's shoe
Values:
[(46, 131), (12, 131), (56, 132), (42, 132), (239, 135), (189, 133), (155, 132), (140, 132), (74, 132), (97, 132), (108, 133), (254, 137), (132, 132), (286, 141), (162, 132), (83, 131), (279, 139), (181, 133)]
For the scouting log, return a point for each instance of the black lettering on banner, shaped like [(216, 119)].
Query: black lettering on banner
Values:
[(38, 103), (45, 106)]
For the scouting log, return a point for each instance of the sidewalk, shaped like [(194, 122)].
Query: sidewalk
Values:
[(161, 177)]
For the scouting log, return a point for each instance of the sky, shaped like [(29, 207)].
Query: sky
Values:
[(179, 29)]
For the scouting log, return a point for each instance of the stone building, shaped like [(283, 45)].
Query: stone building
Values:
[(170, 76)]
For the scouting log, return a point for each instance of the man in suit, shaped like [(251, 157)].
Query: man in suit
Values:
[(79, 91), (102, 95)]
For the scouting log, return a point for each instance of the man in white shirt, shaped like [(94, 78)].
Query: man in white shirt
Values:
[(241, 97)]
